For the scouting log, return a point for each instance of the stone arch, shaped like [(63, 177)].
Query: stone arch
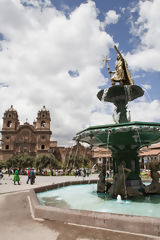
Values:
[(9, 124)]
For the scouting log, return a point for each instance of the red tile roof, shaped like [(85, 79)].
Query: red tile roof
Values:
[(149, 153)]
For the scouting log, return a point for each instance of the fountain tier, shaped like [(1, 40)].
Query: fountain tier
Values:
[(120, 95), (124, 140), (130, 135)]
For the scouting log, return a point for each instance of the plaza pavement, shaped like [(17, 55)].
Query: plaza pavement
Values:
[(17, 223), (7, 185)]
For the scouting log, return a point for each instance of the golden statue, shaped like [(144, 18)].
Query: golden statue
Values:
[(122, 74)]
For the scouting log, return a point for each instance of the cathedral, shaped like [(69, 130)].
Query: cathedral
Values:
[(26, 139), (35, 139)]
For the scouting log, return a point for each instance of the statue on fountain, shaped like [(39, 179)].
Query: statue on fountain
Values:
[(101, 186), (122, 74), (119, 184), (154, 187), (120, 94)]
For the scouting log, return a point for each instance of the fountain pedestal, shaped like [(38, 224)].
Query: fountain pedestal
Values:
[(125, 183), (124, 139), (120, 95)]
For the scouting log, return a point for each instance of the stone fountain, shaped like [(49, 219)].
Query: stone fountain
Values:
[(124, 138)]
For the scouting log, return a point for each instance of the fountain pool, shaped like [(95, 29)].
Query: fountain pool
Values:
[(85, 197)]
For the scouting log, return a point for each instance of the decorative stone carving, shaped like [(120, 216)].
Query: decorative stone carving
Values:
[(154, 187)]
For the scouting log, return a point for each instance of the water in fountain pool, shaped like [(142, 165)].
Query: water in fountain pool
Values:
[(85, 197)]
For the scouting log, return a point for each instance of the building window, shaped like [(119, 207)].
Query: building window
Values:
[(43, 137), (42, 146), (9, 124), (43, 123), (25, 145), (9, 116), (43, 115), (7, 137), (7, 147)]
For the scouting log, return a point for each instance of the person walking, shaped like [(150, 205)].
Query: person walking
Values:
[(28, 175), (51, 172), (9, 172), (32, 176), (16, 177), (1, 175)]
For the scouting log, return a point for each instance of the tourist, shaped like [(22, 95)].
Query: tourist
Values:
[(9, 172), (84, 173), (28, 175), (32, 176), (16, 177), (107, 174), (1, 175), (87, 172), (51, 172), (79, 172), (76, 172)]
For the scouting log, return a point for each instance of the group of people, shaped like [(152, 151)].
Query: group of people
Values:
[(31, 176), (82, 172)]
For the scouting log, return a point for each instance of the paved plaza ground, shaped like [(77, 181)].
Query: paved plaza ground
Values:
[(7, 186), (16, 222)]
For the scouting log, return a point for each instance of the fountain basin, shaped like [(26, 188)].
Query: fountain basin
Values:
[(74, 197), (121, 222), (119, 93), (133, 135)]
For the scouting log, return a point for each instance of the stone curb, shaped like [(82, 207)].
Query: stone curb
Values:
[(118, 222)]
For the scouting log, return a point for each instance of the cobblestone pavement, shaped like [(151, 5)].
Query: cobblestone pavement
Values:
[(17, 223), (7, 185)]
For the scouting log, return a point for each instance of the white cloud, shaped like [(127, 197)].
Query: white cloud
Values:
[(146, 27), (40, 47), (111, 17), (122, 9), (145, 111)]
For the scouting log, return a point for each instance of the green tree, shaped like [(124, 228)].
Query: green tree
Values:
[(77, 162), (2, 164), (28, 161), (47, 161), (20, 161)]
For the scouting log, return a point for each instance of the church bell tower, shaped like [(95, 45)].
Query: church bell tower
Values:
[(42, 126), (10, 119), (43, 119)]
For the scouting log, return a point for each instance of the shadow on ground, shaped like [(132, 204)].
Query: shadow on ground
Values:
[(17, 224)]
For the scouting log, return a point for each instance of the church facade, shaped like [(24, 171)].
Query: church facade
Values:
[(35, 139), (26, 139)]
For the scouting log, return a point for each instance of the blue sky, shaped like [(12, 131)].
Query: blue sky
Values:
[(52, 51), (121, 32)]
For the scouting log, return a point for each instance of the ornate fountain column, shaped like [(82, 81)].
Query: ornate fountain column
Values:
[(124, 138), (120, 95)]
